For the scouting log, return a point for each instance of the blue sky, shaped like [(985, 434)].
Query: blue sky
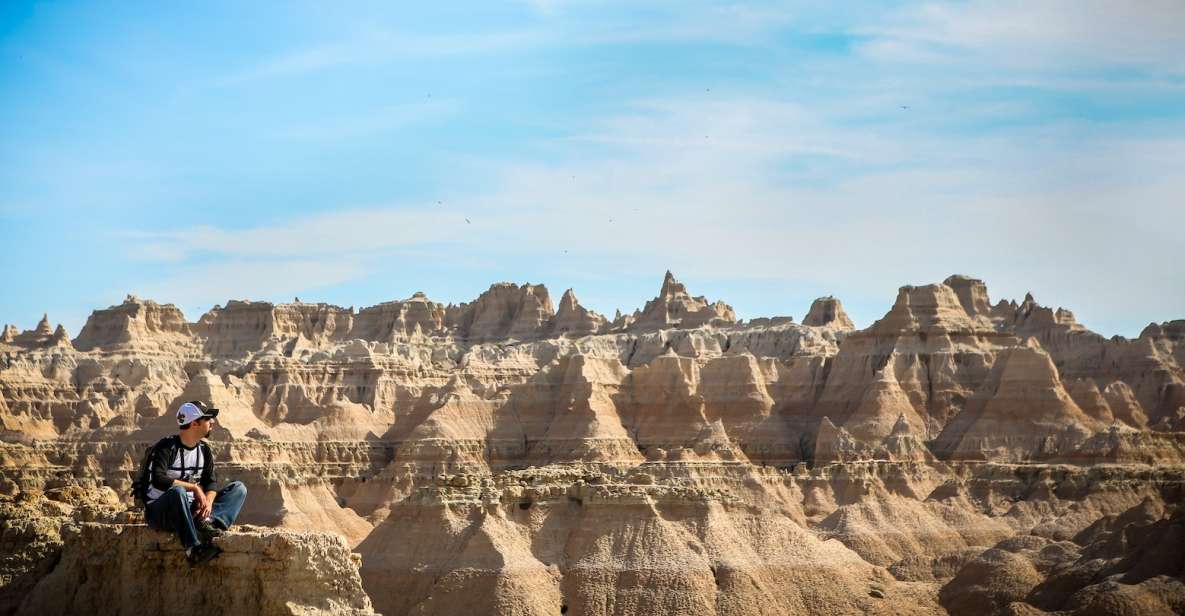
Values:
[(767, 153)]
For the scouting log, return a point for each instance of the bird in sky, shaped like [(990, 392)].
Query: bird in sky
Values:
[(467, 221)]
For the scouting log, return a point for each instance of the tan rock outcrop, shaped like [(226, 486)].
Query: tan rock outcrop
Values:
[(41, 336), (881, 410), (238, 329), (136, 323), (828, 312), (576, 320), (1124, 406), (1087, 396), (125, 569), (499, 456), (675, 307), (505, 311), (932, 308), (1022, 408), (401, 320), (972, 294)]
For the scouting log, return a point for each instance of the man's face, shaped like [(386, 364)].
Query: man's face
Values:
[(204, 426)]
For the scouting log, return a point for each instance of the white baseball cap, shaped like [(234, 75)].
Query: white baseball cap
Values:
[(192, 411)]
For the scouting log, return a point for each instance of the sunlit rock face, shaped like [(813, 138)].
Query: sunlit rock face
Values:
[(508, 456)]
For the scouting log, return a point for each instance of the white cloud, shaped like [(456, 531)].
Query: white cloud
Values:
[(354, 232), (780, 192), (1046, 209), (377, 46), (569, 25), (1041, 35)]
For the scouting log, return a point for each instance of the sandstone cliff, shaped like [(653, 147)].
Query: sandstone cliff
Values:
[(507, 456), (68, 552)]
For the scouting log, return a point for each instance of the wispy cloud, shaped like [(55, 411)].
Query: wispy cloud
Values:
[(856, 149), (569, 25), (378, 46), (779, 192), (769, 204), (353, 232), (1039, 35)]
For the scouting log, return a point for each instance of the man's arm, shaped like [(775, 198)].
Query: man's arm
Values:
[(190, 487), (161, 459), (207, 481)]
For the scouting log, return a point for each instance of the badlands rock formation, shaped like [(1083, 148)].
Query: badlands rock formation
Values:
[(508, 456)]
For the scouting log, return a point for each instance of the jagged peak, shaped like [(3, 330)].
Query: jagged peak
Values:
[(675, 307), (9, 334), (572, 318), (671, 287), (568, 300), (43, 326)]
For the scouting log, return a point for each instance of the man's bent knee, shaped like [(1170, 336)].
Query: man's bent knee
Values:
[(237, 486)]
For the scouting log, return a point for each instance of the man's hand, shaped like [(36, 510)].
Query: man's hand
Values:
[(204, 507), (205, 512), (203, 500)]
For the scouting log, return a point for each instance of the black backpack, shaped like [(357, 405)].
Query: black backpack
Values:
[(144, 478)]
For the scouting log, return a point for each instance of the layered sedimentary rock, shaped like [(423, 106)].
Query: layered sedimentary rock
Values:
[(1020, 407), (675, 307), (573, 319), (134, 324), (505, 311), (72, 551), (40, 337), (507, 456), (401, 320)]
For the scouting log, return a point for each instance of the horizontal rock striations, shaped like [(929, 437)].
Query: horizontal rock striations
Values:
[(81, 554), (509, 455)]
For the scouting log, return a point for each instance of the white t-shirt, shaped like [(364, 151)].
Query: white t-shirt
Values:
[(187, 465)]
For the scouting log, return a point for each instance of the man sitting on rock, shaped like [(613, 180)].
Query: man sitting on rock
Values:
[(182, 497)]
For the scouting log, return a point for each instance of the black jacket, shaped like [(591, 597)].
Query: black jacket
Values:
[(166, 450)]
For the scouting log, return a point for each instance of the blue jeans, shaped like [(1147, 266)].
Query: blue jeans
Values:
[(171, 512)]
